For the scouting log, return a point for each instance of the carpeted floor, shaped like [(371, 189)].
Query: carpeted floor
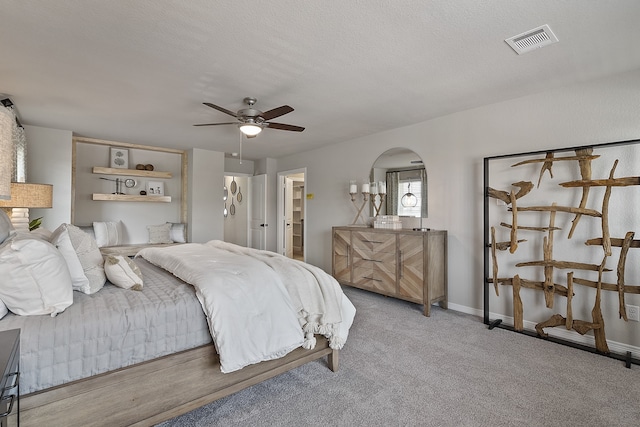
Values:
[(400, 368)]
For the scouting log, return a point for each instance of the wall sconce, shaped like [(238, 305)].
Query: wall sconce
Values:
[(24, 196)]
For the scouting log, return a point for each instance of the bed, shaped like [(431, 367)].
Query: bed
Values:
[(119, 356)]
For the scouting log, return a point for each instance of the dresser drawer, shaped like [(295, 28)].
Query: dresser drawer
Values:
[(375, 242), (376, 273)]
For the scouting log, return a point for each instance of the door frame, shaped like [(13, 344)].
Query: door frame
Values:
[(281, 217)]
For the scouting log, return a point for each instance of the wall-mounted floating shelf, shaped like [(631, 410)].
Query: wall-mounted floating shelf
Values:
[(131, 198), (131, 172)]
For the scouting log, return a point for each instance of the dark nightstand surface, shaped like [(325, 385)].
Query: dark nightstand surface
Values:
[(9, 362)]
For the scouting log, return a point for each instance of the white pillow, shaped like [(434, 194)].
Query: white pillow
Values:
[(178, 232), (82, 256), (35, 278), (160, 233), (3, 310), (107, 233), (6, 228), (123, 272), (41, 233)]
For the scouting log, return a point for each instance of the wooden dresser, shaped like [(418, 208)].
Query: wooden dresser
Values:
[(405, 264)]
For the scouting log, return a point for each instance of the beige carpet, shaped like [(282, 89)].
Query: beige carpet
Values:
[(400, 368)]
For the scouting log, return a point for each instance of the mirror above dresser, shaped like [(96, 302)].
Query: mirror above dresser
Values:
[(405, 176)]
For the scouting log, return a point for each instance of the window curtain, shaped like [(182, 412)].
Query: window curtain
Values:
[(393, 179), (6, 152), (18, 156), (423, 192)]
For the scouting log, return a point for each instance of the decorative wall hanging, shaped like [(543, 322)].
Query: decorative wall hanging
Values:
[(562, 244), (119, 158)]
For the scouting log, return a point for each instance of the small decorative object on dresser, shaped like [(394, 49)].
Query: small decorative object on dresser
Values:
[(405, 264), (119, 158)]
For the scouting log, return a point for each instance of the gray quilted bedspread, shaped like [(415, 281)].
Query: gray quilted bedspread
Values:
[(110, 329)]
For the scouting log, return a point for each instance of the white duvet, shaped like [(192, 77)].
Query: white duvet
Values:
[(259, 305)]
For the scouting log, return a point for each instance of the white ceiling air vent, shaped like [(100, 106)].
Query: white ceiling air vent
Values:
[(532, 39)]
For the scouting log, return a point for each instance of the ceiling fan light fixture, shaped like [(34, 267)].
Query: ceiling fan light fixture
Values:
[(250, 129)]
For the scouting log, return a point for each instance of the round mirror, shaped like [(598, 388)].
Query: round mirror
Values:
[(406, 183)]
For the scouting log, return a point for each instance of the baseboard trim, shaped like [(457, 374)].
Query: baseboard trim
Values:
[(560, 333)]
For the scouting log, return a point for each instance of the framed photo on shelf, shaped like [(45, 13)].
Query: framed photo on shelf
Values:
[(119, 158), (155, 188)]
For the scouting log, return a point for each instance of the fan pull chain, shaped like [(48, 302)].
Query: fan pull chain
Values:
[(240, 146)]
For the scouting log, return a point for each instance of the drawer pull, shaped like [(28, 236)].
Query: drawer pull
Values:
[(11, 399), (15, 381), (372, 278), (401, 261), (372, 241)]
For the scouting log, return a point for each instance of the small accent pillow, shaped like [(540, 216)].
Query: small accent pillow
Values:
[(6, 228), (82, 256), (3, 310), (178, 232), (35, 278), (107, 233), (123, 272), (160, 233)]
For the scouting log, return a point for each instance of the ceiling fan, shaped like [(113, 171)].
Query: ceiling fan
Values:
[(251, 121)]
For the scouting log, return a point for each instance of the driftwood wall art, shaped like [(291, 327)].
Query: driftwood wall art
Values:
[(551, 238)]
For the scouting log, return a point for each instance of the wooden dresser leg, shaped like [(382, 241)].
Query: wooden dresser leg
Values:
[(427, 309), (333, 360)]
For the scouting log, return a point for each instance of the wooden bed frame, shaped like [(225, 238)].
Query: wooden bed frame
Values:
[(151, 392)]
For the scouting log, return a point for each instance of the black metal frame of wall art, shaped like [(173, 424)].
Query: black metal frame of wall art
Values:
[(488, 281)]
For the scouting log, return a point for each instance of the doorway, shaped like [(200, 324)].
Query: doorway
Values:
[(291, 213)]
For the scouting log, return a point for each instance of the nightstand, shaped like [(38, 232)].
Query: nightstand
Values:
[(10, 381)]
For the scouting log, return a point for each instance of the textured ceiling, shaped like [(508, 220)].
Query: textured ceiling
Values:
[(139, 71)]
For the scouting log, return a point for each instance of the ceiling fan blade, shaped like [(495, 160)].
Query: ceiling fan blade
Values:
[(282, 126), (223, 110), (216, 124), (276, 112)]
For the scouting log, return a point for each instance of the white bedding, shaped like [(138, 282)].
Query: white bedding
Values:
[(259, 305)]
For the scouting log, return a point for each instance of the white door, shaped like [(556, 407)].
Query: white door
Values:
[(258, 212), (288, 216)]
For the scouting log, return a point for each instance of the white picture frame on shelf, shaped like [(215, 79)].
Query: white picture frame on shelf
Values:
[(119, 158), (155, 188)]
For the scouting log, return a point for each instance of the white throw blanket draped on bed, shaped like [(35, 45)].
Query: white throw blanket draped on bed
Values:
[(315, 295), (257, 303)]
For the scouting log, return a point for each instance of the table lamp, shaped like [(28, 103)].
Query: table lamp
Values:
[(24, 196)]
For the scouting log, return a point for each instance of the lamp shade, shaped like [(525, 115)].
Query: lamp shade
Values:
[(6, 152), (26, 195)]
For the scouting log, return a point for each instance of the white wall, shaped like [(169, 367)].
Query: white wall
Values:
[(49, 162), (234, 165), (206, 176), (453, 148)]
